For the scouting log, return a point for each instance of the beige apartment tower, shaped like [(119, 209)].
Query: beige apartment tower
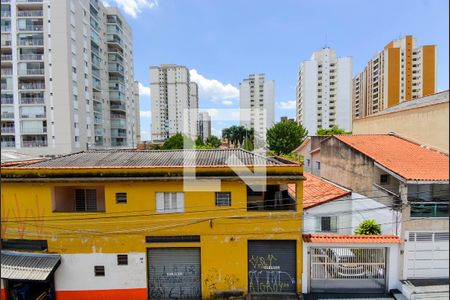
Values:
[(400, 72), (174, 102), (66, 77)]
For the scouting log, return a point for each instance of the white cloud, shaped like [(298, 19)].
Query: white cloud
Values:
[(287, 104), (213, 89), (144, 90), (133, 7), (227, 102), (146, 114)]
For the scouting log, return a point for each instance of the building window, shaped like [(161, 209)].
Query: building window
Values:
[(328, 224), (121, 198), (99, 270), (384, 179), (318, 163), (167, 202), (308, 162), (122, 259), (223, 199), (85, 200)]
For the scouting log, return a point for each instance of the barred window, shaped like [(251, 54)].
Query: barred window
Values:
[(223, 199)]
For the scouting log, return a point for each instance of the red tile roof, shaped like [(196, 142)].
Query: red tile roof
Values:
[(317, 191), (407, 159), (351, 238)]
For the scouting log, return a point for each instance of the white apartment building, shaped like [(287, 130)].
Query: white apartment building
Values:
[(324, 92), (136, 117), (174, 102), (402, 71), (257, 103), (66, 77), (204, 125)]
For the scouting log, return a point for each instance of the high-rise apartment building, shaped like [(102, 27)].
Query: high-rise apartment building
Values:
[(324, 91), (204, 125), (136, 114), (400, 72), (174, 102), (66, 76), (257, 103)]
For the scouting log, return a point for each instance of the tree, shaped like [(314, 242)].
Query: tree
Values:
[(331, 131), (226, 134), (248, 145), (369, 227), (213, 141), (285, 136), (178, 141), (237, 134), (199, 142)]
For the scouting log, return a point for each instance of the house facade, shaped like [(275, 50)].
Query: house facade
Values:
[(310, 151), (410, 179), (128, 224)]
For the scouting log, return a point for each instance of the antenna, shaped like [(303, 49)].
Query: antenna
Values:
[(326, 39)]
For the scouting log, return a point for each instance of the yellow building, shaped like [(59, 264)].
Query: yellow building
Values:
[(138, 225), (400, 72)]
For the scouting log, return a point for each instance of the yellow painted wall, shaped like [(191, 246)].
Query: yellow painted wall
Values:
[(224, 231), (393, 93), (429, 70), (408, 64)]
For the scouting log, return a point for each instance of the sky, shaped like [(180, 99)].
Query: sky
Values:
[(223, 41)]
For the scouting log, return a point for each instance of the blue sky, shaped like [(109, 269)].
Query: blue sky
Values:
[(224, 41)]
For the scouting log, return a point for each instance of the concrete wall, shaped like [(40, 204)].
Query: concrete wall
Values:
[(427, 125)]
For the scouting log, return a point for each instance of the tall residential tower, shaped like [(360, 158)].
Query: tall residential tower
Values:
[(66, 77), (174, 102), (257, 103), (400, 72), (204, 125), (324, 91)]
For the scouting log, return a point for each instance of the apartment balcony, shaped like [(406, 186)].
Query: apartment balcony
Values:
[(7, 116), (121, 107), (42, 130), (113, 39), (115, 68), (31, 57), (30, 13), (98, 132), (40, 71), (98, 121), (30, 42), (6, 14), (8, 100), (97, 96), (32, 86), (8, 130), (31, 28), (37, 143), (8, 144), (6, 28), (116, 96), (6, 57), (6, 87), (6, 72), (118, 134), (32, 100), (119, 142), (118, 123), (6, 43), (32, 115), (97, 108)]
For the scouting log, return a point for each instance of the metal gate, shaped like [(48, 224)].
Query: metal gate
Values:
[(345, 270), (174, 273), (272, 267)]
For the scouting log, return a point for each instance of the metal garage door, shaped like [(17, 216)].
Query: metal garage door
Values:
[(174, 273), (426, 255), (272, 267), (347, 270)]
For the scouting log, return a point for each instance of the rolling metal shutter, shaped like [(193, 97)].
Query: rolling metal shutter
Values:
[(174, 273), (272, 267)]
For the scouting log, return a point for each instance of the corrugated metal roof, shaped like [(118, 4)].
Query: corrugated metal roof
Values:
[(160, 158), (28, 266)]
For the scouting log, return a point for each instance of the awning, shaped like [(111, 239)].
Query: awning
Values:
[(28, 266)]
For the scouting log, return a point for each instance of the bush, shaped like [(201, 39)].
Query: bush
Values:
[(368, 227)]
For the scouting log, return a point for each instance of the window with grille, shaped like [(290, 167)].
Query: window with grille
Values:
[(99, 270), (384, 179), (121, 198), (169, 202), (328, 224), (122, 259), (223, 199), (85, 200)]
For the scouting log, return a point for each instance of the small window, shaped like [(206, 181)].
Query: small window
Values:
[(121, 198), (99, 270), (328, 224), (223, 199), (122, 259), (384, 179), (308, 162), (85, 200), (318, 165), (168, 202)]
